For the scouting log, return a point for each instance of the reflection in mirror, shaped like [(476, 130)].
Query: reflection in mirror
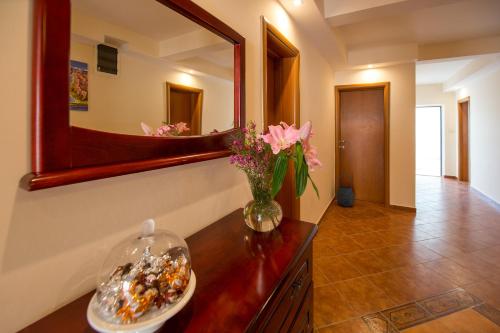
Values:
[(137, 67)]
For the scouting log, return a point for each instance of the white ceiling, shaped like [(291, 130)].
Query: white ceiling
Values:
[(411, 22), (439, 72)]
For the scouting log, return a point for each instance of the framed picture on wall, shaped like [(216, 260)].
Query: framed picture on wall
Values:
[(78, 86)]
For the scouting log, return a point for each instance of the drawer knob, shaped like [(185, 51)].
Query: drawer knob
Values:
[(296, 285)]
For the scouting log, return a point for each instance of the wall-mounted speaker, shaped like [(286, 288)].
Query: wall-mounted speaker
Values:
[(107, 59)]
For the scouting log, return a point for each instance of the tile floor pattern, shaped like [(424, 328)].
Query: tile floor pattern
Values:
[(370, 258)]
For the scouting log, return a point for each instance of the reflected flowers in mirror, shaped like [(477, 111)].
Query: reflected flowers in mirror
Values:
[(166, 130)]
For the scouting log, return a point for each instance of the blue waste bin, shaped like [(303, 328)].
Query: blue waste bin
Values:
[(345, 197)]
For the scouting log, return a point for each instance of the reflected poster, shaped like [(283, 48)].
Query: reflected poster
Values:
[(79, 86)]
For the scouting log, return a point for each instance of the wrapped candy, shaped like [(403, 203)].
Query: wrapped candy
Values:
[(143, 275)]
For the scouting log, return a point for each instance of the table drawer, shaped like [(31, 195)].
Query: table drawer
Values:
[(291, 297), (303, 322)]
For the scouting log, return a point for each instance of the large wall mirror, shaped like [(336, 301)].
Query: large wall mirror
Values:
[(122, 86)]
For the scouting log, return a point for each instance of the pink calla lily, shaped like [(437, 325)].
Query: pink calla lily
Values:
[(305, 131), (311, 155), (181, 127), (310, 151), (280, 138)]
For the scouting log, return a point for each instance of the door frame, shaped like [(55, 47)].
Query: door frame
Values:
[(365, 86), (286, 47), (269, 29), (460, 134)]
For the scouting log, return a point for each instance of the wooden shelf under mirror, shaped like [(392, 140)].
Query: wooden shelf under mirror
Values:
[(68, 148)]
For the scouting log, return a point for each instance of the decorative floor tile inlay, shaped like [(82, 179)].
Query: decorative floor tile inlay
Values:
[(415, 313), (489, 312), (379, 324), (407, 315), (452, 301)]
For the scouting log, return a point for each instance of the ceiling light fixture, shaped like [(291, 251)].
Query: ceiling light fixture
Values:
[(298, 2)]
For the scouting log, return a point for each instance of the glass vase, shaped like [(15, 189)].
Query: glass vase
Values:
[(262, 214)]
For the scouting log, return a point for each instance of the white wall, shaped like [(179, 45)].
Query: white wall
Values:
[(316, 80), (432, 94), (53, 241), (402, 125), (120, 103), (484, 135)]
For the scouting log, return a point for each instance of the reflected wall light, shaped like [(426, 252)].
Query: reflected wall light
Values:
[(185, 79), (371, 75)]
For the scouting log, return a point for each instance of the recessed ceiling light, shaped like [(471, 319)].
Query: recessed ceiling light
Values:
[(370, 66), (298, 2)]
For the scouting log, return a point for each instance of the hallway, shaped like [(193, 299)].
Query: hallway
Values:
[(391, 270)]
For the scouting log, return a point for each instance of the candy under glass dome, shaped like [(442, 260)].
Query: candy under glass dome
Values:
[(143, 276)]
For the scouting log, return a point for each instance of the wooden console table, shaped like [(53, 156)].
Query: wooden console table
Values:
[(246, 282)]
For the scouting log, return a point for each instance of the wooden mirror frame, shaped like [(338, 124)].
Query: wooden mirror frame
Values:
[(63, 154)]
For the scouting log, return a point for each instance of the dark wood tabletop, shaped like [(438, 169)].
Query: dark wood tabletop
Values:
[(237, 271)]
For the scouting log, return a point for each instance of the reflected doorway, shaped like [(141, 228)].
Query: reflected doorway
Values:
[(184, 104)]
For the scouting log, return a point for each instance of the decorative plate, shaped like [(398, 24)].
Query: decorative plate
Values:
[(146, 326)]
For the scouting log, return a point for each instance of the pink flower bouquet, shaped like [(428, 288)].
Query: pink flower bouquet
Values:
[(166, 129), (264, 158)]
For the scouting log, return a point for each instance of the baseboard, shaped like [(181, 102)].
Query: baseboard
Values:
[(450, 177), (486, 198), (324, 211), (406, 209)]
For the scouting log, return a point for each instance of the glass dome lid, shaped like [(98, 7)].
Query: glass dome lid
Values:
[(143, 276)]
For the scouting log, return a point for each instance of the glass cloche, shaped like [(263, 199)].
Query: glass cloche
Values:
[(143, 276)]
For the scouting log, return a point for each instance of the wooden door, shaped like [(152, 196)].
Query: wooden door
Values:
[(181, 106), (362, 143), (463, 140), (184, 104), (281, 101)]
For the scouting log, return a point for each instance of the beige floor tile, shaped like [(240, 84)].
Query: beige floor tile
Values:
[(330, 307), (337, 268), (351, 326), (364, 296)]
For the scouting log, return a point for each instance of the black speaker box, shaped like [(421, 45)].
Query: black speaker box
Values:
[(107, 59)]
